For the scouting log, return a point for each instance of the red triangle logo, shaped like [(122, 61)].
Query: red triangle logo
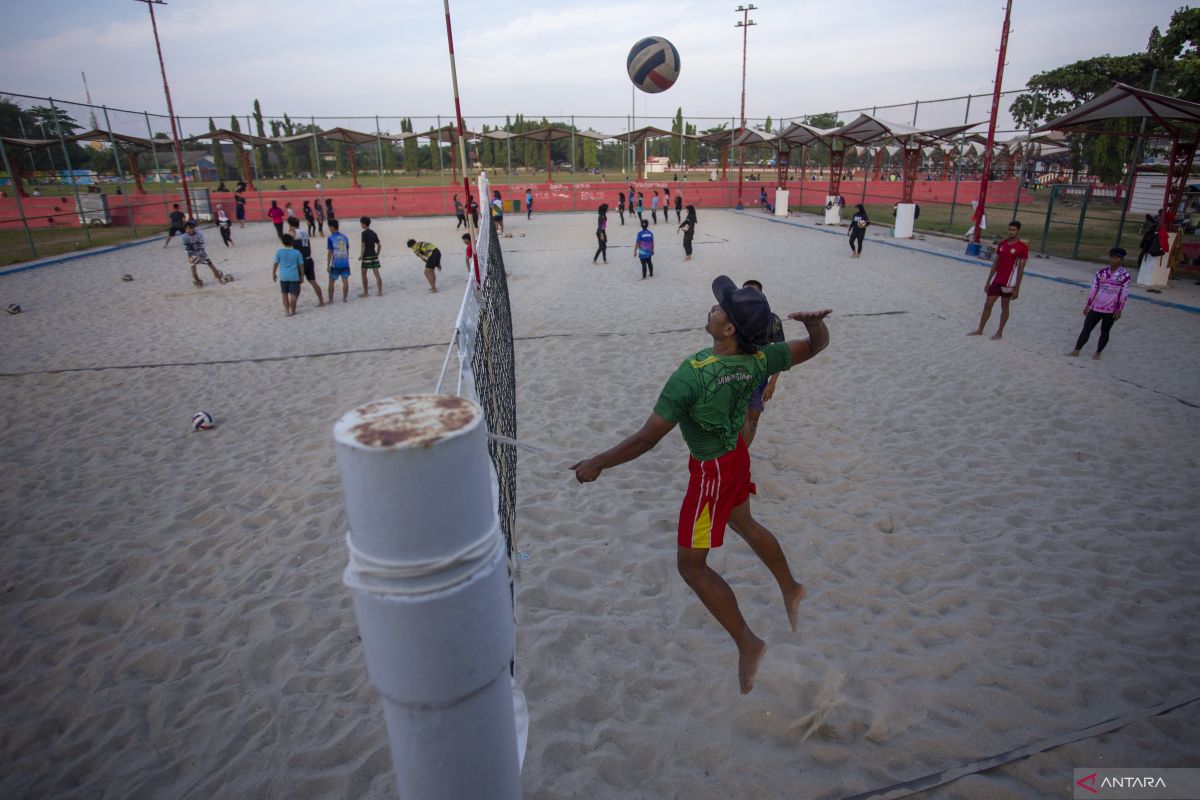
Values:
[(1088, 782)]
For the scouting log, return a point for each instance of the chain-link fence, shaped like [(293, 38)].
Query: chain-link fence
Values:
[(85, 194)]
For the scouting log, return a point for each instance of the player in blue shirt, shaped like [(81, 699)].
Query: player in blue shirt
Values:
[(644, 249), (287, 270), (337, 259)]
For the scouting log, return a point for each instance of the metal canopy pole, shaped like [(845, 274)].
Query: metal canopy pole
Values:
[(70, 172), (317, 151), (20, 206), (958, 165), (120, 172), (1137, 157), (441, 166), (262, 212), (1025, 158), (379, 155)]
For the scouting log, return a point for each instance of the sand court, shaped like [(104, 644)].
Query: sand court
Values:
[(998, 541)]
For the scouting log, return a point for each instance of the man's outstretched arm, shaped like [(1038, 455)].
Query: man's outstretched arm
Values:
[(633, 446), (818, 335)]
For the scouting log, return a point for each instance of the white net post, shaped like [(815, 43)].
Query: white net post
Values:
[(429, 579)]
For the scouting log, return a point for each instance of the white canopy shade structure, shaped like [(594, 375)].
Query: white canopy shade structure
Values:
[(869, 129), (597, 135), (799, 134), (1125, 102), (1128, 102), (749, 136)]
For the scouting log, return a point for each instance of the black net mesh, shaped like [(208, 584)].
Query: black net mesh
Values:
[(496, 381)]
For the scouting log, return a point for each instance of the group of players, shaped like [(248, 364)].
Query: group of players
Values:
[(294, 265)]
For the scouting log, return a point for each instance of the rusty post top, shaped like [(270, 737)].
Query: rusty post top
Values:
[(401, 422)]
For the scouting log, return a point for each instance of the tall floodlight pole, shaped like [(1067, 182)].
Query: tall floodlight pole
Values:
[(991, 135), (187, 197), (745, 24)]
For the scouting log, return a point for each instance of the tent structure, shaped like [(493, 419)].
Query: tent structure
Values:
[(240, 140), (546, 135), (802, 135), (636, 137), (347, 136), (1169, 113), (722, 140), (506, 137), (869, 129), (447, 134)]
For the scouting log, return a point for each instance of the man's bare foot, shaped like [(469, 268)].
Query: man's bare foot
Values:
[(379, 293), (1096, 357), (997, 336), (975, 333), (433, 291), (749, 657), (791, 602), (1073, 354), (364, 294)]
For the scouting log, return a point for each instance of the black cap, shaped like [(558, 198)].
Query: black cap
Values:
[(746, 308), (1117, 251)]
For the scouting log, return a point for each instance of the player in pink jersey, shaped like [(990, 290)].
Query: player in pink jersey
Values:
[(1004, 278), (1110, 288)]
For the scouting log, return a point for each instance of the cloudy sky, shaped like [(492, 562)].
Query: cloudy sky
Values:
[(362, 57)]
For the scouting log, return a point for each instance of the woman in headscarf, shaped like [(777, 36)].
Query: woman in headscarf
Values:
[(602, 234), (858, 229), (688, 226)]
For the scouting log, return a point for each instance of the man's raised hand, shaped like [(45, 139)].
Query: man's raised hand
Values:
[(810, 316)]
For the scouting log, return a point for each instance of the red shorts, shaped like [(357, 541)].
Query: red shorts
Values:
[(994, 290), (716, 488)]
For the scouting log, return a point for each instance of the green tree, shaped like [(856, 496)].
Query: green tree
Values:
[(218, 156), (767, 125), (46, 117), (1056, 91), (412, 148), (691, 150), (590, 160), (260, 156), (827, 119)]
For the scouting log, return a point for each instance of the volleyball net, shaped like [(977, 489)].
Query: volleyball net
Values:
[(483, 338)]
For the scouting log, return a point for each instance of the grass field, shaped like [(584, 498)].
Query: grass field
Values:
[(1097, 234)]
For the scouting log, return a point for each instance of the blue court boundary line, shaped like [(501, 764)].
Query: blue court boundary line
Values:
[(972, 261), (96, 251)]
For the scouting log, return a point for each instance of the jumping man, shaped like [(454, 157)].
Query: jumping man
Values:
[(193, 245), (707, 397)]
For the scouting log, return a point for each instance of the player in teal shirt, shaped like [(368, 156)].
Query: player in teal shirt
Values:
[(337, 259), (286, 270), (707, 396)]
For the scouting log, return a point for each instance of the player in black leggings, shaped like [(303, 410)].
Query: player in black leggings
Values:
[(688, 226), (602, 234), (858, 229)]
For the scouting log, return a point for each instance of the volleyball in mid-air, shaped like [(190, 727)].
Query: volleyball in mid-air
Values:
[(202, 421), (14, 308), (653, 64), (126, 277)]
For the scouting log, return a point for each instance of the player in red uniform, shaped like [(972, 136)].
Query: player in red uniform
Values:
[(1004, 278)]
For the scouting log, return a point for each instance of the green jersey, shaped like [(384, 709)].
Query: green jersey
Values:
[(708, 395)]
